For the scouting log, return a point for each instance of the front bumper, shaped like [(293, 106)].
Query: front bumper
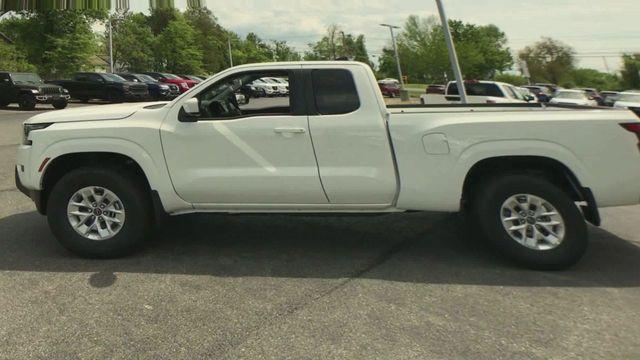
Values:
[(34, 195), (48, 99)]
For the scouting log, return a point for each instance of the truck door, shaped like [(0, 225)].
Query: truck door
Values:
[(244, 149), (350, 136)]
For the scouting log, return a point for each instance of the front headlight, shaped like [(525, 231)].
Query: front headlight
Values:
[(164, 87), (35, 91), (28, 128), (65, 91)]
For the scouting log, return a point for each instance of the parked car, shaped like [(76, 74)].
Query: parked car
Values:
[(518, 170), (527, 95), (197, 79), (593, 94), (478, 92), (628, 100), (436, 89), (157, 90), (551, 87), (541, 92), (573, 97), (103, 86), (282, 84), (389, 89), (183, 84), (609, 98), (28, 89), (262, 86)]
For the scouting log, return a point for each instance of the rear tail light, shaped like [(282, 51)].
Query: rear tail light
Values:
[(634, 128)]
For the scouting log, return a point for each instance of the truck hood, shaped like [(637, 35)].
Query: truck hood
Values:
[(91, 113)]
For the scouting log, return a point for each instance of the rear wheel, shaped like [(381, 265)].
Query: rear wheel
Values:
[(531, 221), (27, 102), (100, 212)]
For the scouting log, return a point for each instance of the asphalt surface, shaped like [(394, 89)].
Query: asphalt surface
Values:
[(413, 286)]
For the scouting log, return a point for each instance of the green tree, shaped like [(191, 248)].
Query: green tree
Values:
[(252, 50), (482, 51), (211, 37), (549, 60), (12, 59), (283, 52), (177, 50), (512, 79), (57, 42), (631, 71), (590, 78), (337, 44), (133, 43)]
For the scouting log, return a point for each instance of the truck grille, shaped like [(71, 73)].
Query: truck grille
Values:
[(138, 89), (50, 91)]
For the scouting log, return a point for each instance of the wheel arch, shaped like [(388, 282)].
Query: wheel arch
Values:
[(545, 167), (61, 165)]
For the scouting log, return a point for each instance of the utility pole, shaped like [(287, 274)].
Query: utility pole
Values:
[(230, 53), (111, 69), (395, 49), (453, 55)]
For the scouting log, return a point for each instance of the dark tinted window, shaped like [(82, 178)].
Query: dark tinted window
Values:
[(335, 92), (477, 89)]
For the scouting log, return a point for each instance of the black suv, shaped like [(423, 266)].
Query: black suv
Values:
[(157, 91), (27, 90)]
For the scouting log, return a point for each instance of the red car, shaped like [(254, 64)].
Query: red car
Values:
[(183, 84), (390, 89)]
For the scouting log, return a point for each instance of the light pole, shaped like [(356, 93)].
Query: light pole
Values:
[(230, 53), (453, 55), (395, 49)]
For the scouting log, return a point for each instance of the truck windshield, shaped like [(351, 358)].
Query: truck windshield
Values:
[(146, 78), (477, 89), (26, 78), (113, 77)]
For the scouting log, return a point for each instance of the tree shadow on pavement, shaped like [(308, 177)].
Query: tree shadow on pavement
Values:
[(412, 248)]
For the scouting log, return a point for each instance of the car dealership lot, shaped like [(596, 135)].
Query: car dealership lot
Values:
[(399, 286)]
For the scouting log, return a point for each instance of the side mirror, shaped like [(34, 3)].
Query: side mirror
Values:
[(190, 110)]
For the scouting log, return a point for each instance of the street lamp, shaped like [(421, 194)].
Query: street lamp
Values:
[(395, 49), (453, 55)]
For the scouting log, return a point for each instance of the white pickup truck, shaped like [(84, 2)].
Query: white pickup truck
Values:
[(528, 175), (479, 92)]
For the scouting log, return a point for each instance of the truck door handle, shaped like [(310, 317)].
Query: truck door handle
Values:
[(289, 130)]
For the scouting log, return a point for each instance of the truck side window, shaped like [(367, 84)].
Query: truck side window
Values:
[(247, 95), (335, 91)]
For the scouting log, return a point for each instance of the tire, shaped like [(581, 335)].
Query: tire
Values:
[(136, 214), (115, 97), (27, 102), (60, 104), (489, 213)]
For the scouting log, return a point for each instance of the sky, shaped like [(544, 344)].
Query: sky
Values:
[(597, 29)]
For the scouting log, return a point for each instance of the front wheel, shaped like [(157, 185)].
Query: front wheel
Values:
[(27, 102), (100, 212), (531, 221)]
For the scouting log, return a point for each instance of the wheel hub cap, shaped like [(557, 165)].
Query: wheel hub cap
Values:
[(96, 213), (533, 222)]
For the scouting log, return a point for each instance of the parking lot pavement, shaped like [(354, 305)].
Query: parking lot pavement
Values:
[(409, 286)]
